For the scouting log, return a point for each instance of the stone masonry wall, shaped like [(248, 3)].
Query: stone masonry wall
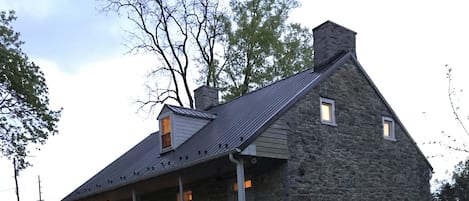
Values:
[(209, 190), (351, 161), (271, 185)]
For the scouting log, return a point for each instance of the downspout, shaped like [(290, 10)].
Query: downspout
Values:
[(181, 189), (239, 177)]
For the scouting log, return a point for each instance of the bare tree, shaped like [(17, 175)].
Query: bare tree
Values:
[(456, 186), (235, 50), (181, 34), (452, 96), (449, 140), (209, 31)]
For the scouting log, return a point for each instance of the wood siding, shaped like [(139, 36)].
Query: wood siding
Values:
[(184, 127), (272, 142)]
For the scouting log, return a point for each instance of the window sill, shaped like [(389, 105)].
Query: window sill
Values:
[(390, 138), (329, 123), (167, 149)]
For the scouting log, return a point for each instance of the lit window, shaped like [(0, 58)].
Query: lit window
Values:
[(166, 132), (327, 111), (247, 184), (187, 196), (388, 128)]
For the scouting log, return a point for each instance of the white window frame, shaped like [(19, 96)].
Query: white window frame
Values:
[(171, 118), (331, 102), (392, 132)]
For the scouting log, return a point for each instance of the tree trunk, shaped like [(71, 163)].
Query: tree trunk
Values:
[(16, 180)]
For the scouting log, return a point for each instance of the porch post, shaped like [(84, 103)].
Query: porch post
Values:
[(181, 189), (239, 177), (134, 195)]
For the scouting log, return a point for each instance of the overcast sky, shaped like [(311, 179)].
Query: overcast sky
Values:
[(403, 46)]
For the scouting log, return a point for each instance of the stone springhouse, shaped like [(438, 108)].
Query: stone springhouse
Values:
[(323, 134)]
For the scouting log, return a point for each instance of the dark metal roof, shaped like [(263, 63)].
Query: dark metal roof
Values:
[(191, 112), (236, 124)]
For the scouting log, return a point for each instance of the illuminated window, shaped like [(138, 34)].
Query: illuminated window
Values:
[(247, 184), (327, 111), (187, 196), (388, 128), (166, 132)]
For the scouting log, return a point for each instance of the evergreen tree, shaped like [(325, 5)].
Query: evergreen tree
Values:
[(458, 188)]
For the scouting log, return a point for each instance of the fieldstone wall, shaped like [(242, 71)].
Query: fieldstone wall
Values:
[(209, 190), (271, 185), (167, 195), (351, 161)]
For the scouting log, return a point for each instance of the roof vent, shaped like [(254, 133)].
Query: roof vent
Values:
[(330, 42)]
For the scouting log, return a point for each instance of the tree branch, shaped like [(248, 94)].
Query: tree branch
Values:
[(451, 94)]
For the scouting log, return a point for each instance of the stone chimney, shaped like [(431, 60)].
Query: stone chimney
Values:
[(330, 42), (205, 97)]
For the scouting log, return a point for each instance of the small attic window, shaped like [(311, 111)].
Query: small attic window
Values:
[(327, 111), (165, 132), (388, 128)]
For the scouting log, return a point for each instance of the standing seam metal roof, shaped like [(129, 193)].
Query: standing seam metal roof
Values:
[(243, 117)]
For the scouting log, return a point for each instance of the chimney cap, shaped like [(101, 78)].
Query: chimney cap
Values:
[(331, 23)]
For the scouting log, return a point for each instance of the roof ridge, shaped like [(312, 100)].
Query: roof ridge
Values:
[(188, 108), (191, 112), (263, 87)]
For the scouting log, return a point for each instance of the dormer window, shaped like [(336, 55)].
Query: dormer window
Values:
[(165, 132), (178, 124)]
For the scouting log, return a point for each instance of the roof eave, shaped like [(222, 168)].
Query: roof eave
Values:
[(149, 176)]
